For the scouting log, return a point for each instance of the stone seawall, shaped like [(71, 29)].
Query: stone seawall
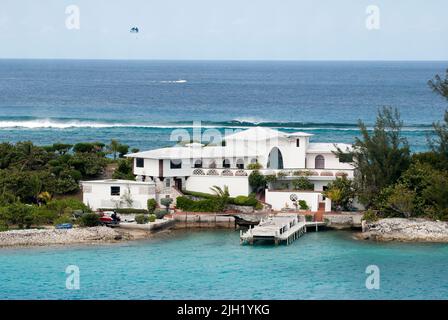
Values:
[(203, 220), (343, 220)]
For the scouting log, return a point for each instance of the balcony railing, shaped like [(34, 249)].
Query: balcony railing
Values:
[(280, 173)]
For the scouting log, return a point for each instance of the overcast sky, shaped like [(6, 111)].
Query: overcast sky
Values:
[(225, 29)]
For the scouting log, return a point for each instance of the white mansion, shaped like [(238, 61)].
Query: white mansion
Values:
[(167, 172)]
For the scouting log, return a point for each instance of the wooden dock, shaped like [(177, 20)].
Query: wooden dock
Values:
[(279, 229)]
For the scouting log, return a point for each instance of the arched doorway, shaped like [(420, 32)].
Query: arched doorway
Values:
[(240, 164), (275, 159), (319, 162), (198, 163), (226, 163)]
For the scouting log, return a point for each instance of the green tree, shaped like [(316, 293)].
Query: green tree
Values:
[(117, 149), (379, 157), (222, 195), (439, 141), (151, 204), (440, 85), (124, 170), (257, 181), (166, 202), (341, 192)]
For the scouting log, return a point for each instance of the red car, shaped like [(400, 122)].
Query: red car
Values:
[(109, 220)]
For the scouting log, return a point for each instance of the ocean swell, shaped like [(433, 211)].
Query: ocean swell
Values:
[(53, 123)]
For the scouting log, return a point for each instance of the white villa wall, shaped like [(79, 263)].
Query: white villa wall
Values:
[(182, 172), (278, 199), (150, 168), (331, 161), (97, 194), (319, 184), (238, 186)]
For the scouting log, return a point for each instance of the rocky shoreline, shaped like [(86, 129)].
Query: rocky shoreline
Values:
[(44, 237), (405, 230)]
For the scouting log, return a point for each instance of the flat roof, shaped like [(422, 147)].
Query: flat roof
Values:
[(193, 153), (119, 181), (328, 147), (263, 133)]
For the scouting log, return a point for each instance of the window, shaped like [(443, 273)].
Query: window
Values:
[(114, 191), (176, 164), (298, 143), (167, 183), (345, 157), (139, 162), (226, 163), (319, 162), (198, 164)]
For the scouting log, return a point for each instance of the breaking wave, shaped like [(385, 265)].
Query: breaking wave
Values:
[(52, 123)]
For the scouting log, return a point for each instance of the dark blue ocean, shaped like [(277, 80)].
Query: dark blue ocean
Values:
[(141, 102)]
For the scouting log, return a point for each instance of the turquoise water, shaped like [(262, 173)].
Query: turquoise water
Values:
[(212, 265)]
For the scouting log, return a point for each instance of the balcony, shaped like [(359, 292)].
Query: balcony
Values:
[(317, 174)]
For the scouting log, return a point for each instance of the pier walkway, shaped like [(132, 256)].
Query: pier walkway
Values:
[(281, 228)]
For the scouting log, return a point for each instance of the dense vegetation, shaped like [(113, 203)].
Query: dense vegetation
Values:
[(208, 202), (32, 178), (389, 180)]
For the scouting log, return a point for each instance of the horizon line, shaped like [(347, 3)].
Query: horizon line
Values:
[(234, 60)]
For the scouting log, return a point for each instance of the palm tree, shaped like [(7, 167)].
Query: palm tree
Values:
[(222, 194), (114, 147)]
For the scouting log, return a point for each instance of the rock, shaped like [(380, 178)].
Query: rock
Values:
[(39, 237), (400, 229)]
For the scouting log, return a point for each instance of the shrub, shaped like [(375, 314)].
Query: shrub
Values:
[(42, 215), (309, 217), (302, 183), (63, 219), (254, 166), (3, 226), (151, 204), (160, 214), (370, 216), (303, 205), (200, 194), (341, 192), (270, 178), (245, 201), (17, 213), (256, 180), (141, 219), (60, 205), (206, 205), (152, 218), (166, 202), (89, 220), (282, 174)]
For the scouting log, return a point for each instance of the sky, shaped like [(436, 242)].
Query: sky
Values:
[(226, 29)]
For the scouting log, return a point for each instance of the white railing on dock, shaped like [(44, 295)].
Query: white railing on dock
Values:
[(283, 228)]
